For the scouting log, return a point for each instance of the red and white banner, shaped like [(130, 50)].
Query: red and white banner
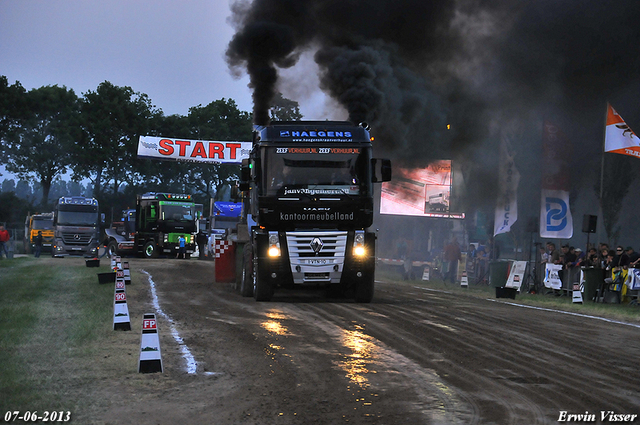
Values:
[(166, 148), (618, 137)]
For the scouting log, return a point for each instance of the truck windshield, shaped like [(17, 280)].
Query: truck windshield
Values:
[(315, 170), (77, 215), (176, 212), (42, 224)]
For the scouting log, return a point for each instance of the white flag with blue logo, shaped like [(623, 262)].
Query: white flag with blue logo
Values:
[(555, 215), (507, 203)]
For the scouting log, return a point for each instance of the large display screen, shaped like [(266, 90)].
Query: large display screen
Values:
[(422, 192)]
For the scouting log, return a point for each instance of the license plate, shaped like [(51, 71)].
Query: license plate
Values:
[(317, 262), (75, 248)]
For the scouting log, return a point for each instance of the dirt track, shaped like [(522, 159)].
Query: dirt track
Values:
[(413, 356)]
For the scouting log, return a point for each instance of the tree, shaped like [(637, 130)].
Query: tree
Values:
[(12, 106), (23, 190), (284, 109), (42, 144), (13, 210), (112, 118), (8, 186), (219, 120)]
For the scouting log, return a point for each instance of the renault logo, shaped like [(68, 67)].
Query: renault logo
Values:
[(316, 244)]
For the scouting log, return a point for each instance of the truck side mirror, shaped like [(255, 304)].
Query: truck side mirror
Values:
[(245, 175), (384, 170)]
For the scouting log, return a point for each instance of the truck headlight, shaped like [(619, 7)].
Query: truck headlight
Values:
[(358, 244), (274, 244)]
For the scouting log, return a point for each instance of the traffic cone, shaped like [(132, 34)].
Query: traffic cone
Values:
[(150, 355), (464, 281), (121, 320), (127, 273)]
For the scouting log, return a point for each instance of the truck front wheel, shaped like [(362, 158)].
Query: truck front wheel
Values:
[(262, 290), (112, 248), (246, 285), (150, 250), (364, 288)]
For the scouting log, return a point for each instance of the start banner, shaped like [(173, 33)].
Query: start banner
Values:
[(165, 148)]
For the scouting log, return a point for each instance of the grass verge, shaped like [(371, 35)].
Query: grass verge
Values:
[(55, 320), (622, 312)]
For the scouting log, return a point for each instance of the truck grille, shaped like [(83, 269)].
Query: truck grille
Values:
[(76, 238), (300, 244), (316, 256)]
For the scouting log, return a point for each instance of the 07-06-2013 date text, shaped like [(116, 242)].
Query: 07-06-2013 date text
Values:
[(35, 416)]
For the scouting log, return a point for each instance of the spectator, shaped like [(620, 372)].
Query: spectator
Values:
[(452, 255), (553, 254), (482, 259), (201, 240), (471, 251), (553, 257), (37, 241), (603, 252), (571, 257), (592, 258), (604, 259), (580, 258), (182, 247), (620, 260), (619, 265), (544, 256), (4, 239), (567, 258), (634, 257)]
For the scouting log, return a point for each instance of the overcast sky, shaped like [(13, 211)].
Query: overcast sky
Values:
[(171, 50)]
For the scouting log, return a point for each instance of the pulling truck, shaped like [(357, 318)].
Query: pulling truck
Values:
[(76, 227), (161, 218), (308, 196), (38, 223)]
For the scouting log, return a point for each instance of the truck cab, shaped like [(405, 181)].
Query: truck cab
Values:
[(76, 226), (309, 188), (161, 219), (39, 223)]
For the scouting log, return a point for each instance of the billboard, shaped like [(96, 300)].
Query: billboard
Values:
[(172, 149), (424, 192)]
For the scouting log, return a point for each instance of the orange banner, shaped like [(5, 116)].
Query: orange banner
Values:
[(619, 138)]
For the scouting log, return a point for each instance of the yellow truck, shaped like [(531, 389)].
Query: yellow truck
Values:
[(39, 222)]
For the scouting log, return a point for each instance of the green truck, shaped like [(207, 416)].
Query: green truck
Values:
[(155, 226)]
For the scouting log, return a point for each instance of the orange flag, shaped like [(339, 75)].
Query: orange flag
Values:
[(619, 138)]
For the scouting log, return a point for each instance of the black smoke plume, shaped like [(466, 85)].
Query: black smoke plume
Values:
[(410, 67)]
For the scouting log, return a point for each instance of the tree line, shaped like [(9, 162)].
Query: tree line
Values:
[(50, 131)]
